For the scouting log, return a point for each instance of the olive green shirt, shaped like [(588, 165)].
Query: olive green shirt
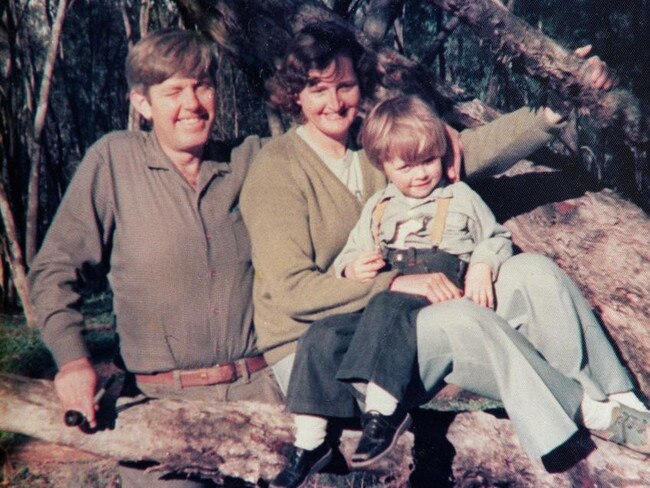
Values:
[(178, 259)]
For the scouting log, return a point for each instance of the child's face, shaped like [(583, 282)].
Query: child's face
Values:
[(414, 179)]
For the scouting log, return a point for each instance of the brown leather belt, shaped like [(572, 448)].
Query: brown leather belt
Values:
[(221, 373)]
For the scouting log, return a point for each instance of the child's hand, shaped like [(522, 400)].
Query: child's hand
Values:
[(478, 284), (365, 267)]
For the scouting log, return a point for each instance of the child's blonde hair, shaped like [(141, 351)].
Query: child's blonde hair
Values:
[(404, 127)]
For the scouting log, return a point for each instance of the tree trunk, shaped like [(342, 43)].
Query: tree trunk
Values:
[(15, 258), (31, 228), (443, 34), (380, 16)]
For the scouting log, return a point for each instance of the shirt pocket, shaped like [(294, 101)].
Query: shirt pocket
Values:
[(241, 236)]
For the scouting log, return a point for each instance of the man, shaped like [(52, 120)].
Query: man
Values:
[(159, 215)]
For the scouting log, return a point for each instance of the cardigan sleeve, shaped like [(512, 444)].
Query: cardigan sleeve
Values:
[(360, 239), (276, 211), (494, 147)]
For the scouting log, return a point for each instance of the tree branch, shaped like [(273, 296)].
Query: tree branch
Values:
[(440, 40), (380, 16), (513, 41), (39, 124)]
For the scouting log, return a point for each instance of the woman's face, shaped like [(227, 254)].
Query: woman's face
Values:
[(330, 102)]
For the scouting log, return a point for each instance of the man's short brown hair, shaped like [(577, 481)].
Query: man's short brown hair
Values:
[(403, 127), (166, 53)]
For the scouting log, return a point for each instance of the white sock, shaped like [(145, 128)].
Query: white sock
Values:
[(596, 415), (380, 400), (629, 399), (310, 431)]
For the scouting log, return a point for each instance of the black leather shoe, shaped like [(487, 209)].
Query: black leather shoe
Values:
[(380, 433), (301, 465)]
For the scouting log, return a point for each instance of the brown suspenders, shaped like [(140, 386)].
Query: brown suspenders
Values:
[(439, 219)]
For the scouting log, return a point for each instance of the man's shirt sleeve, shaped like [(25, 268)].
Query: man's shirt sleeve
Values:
[(79, 236)]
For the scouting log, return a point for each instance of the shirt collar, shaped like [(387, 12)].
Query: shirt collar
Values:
[(208, 165)]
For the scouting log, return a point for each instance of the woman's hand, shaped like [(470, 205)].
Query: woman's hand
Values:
[(478, 284), (435, 287), (365, 267), (595, 71)]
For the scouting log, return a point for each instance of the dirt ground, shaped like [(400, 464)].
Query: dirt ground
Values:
[(37, 464)]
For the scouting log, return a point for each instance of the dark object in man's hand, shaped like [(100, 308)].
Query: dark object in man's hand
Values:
[(74, 418)]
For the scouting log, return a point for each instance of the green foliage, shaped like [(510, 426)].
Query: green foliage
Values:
[(98, 307), (22, 351)]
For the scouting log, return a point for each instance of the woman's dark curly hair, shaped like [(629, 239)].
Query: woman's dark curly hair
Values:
[(315, 47)]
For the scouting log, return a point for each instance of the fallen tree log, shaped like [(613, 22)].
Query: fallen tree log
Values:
[(245, 441), (599, 238)]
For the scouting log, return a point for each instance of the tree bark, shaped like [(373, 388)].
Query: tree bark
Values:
[(380, 16), (598, 238), (439, 42), (239, 439), (31, 228), (245, 440)]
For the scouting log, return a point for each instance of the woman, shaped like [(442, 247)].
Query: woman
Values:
[(304, 194)]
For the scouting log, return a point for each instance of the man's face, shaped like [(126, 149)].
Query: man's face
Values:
[(414, 179), (182, 111)]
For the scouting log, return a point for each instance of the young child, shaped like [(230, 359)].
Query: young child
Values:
[(420, 224)]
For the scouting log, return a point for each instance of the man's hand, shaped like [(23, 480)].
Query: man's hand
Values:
[(478, 284), (435, 287), (75, 384), (365, 267)]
